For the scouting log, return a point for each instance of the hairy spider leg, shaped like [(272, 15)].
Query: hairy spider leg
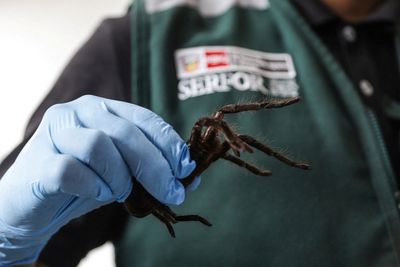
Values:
[(221, 150), (168, 217), (211, 133), (166, 222), (192, 218), (237, 108), (250, 167), (271, 152), (161, 211), (234, 141), (265, 104), (143, 198), (197, 136)]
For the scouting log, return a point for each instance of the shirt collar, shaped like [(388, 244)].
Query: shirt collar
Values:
[(318, 14)]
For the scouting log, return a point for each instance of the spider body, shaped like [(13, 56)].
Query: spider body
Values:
[(211, 139)]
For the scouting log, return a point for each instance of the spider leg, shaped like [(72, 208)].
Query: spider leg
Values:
[(196, 133), (181, 218), (203, 165), (231, 137), (195, 218), (269, 103), (166, 222), (252, 168), (211, 133), (271, 152)]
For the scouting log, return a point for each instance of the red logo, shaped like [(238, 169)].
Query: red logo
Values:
[(217, 59)]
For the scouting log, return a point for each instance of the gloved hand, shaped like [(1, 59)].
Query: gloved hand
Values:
[(82, 157)]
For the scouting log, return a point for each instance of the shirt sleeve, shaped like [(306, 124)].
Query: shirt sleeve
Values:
[(100, 67)]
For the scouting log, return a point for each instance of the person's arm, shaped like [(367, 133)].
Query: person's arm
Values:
[(83, 156), (101, 67)]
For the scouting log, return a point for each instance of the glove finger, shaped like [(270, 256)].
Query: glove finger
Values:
[(70, 176), (96, 150), (160, 133), (146, 162)]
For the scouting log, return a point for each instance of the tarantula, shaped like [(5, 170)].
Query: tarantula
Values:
[(211, 139)]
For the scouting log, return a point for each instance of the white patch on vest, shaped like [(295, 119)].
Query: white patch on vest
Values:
[(213, 69), (207, 8), (197, 61)]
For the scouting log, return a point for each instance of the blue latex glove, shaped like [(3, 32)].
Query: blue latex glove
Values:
[(82, 157)]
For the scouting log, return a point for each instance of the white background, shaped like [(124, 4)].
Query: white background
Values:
[(37, 38)]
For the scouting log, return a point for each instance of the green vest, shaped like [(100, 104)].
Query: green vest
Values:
[(191, 57)]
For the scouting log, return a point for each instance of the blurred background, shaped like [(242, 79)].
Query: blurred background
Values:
[(37, 38)]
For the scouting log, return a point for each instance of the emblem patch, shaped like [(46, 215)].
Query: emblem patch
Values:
[(211, 69)]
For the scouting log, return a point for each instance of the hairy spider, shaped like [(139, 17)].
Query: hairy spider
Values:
[(211, 139)]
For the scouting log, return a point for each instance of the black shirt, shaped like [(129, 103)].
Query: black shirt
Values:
[(367, 52), (102, 67)]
